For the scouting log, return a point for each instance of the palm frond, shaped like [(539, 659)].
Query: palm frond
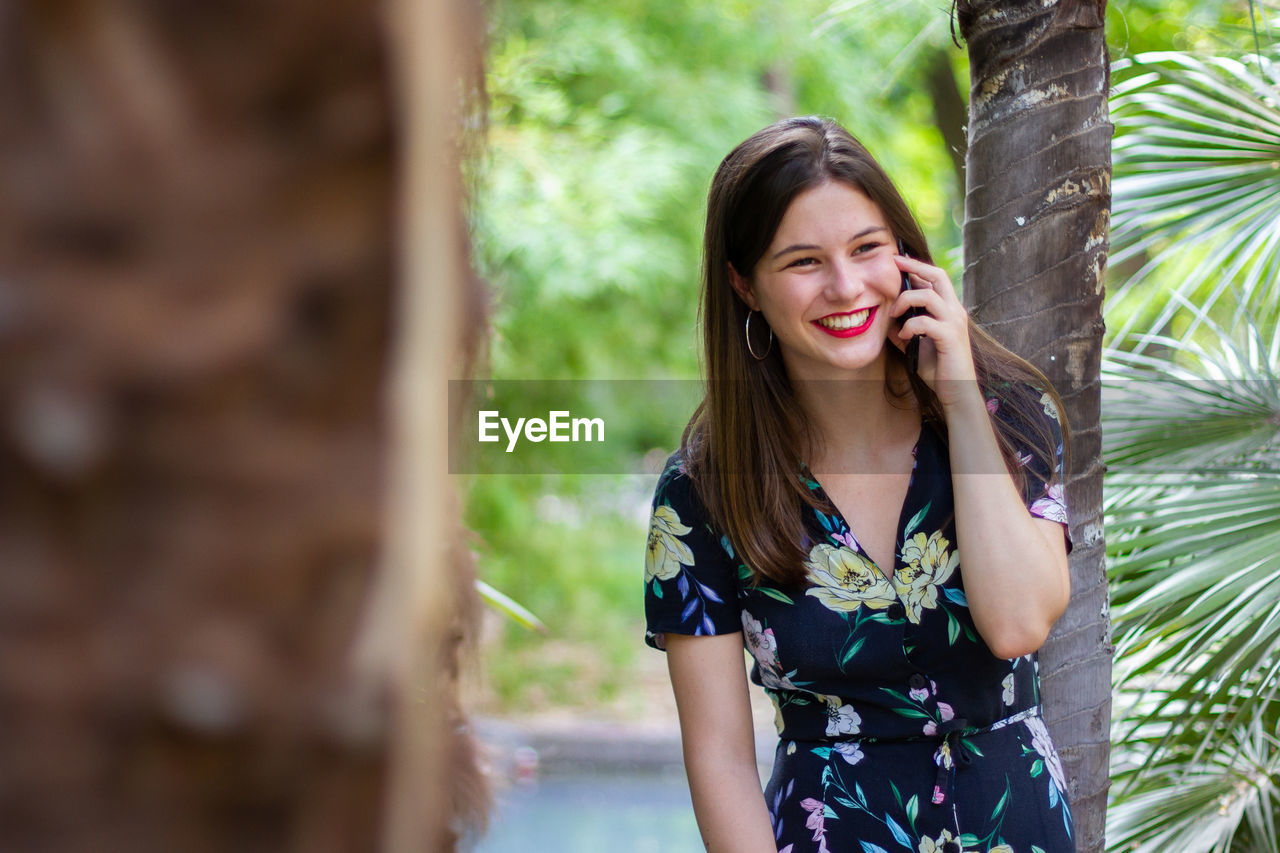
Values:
[(1226, 800), (1196, 188), (508, 606), (1193, 520)]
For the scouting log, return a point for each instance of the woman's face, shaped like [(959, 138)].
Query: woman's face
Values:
[(825, 285)]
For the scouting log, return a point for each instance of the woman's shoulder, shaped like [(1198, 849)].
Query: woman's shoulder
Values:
[(676, 484), (673, 471)]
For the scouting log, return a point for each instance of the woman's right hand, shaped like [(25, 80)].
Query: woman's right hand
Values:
[(709, 677)]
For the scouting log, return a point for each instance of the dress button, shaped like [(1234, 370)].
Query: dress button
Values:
[(917, 681), (896, 610)]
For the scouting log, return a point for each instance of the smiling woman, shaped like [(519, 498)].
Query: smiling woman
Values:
[(813, 515), (817, 282)]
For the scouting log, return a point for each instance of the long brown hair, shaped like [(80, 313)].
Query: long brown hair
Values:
[(743, 446)]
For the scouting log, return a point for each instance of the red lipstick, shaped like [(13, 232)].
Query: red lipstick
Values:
[(852, 332)]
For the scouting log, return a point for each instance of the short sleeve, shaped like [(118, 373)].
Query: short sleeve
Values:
[(1042, 487), (690, 574)]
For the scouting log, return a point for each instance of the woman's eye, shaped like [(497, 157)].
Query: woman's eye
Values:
[(802, 262), (863, 248)]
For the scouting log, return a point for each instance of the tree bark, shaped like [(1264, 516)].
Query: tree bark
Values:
[(426, 605), (197, 291), (1035, 243)]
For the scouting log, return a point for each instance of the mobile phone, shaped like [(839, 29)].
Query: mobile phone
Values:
[(913, 345)]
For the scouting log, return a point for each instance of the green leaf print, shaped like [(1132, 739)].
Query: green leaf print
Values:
[(657, 590), (913, 809), (853, 650), (775, 594), (911, 713), (1003, 800), (915, 521), (953, 629), (1038, 767)]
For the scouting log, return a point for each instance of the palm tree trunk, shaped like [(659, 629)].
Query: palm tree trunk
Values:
[(1035, 245), (425, 604), (198, 284)]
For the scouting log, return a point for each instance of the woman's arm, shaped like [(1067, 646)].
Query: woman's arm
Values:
[(708, 675), (1014, 565)]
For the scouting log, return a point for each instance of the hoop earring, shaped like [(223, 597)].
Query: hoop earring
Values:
[(749, 348)]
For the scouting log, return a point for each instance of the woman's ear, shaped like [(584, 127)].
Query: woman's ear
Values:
[(742, 287)]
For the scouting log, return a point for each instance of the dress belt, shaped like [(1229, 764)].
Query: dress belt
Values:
[(952, 750)]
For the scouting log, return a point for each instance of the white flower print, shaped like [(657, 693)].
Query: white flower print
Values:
[(841, 718), (850, 751), (1050, 408), (763, 646), (666, 552), (1007, 693), (1051, 506), (1044, 746)]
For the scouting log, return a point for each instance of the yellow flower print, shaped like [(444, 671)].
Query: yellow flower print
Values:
[(946, 843), (928, 564), (845, 580), (666, 551)]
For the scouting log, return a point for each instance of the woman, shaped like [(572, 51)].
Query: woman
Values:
[(816, 512)]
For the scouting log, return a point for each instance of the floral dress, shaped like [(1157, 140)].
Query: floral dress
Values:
[(899, 730)]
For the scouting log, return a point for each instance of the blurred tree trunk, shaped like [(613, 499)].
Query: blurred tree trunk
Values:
[(198, 282), (1035, 242)]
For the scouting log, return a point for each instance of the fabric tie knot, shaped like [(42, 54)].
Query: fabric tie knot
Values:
[(951, 752)]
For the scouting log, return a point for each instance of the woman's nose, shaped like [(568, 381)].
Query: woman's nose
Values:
[(844, 281)]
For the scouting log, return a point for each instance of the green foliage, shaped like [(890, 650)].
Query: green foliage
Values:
[(1191, 418), (574, 565), (1194, 27), (1197, 192)]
